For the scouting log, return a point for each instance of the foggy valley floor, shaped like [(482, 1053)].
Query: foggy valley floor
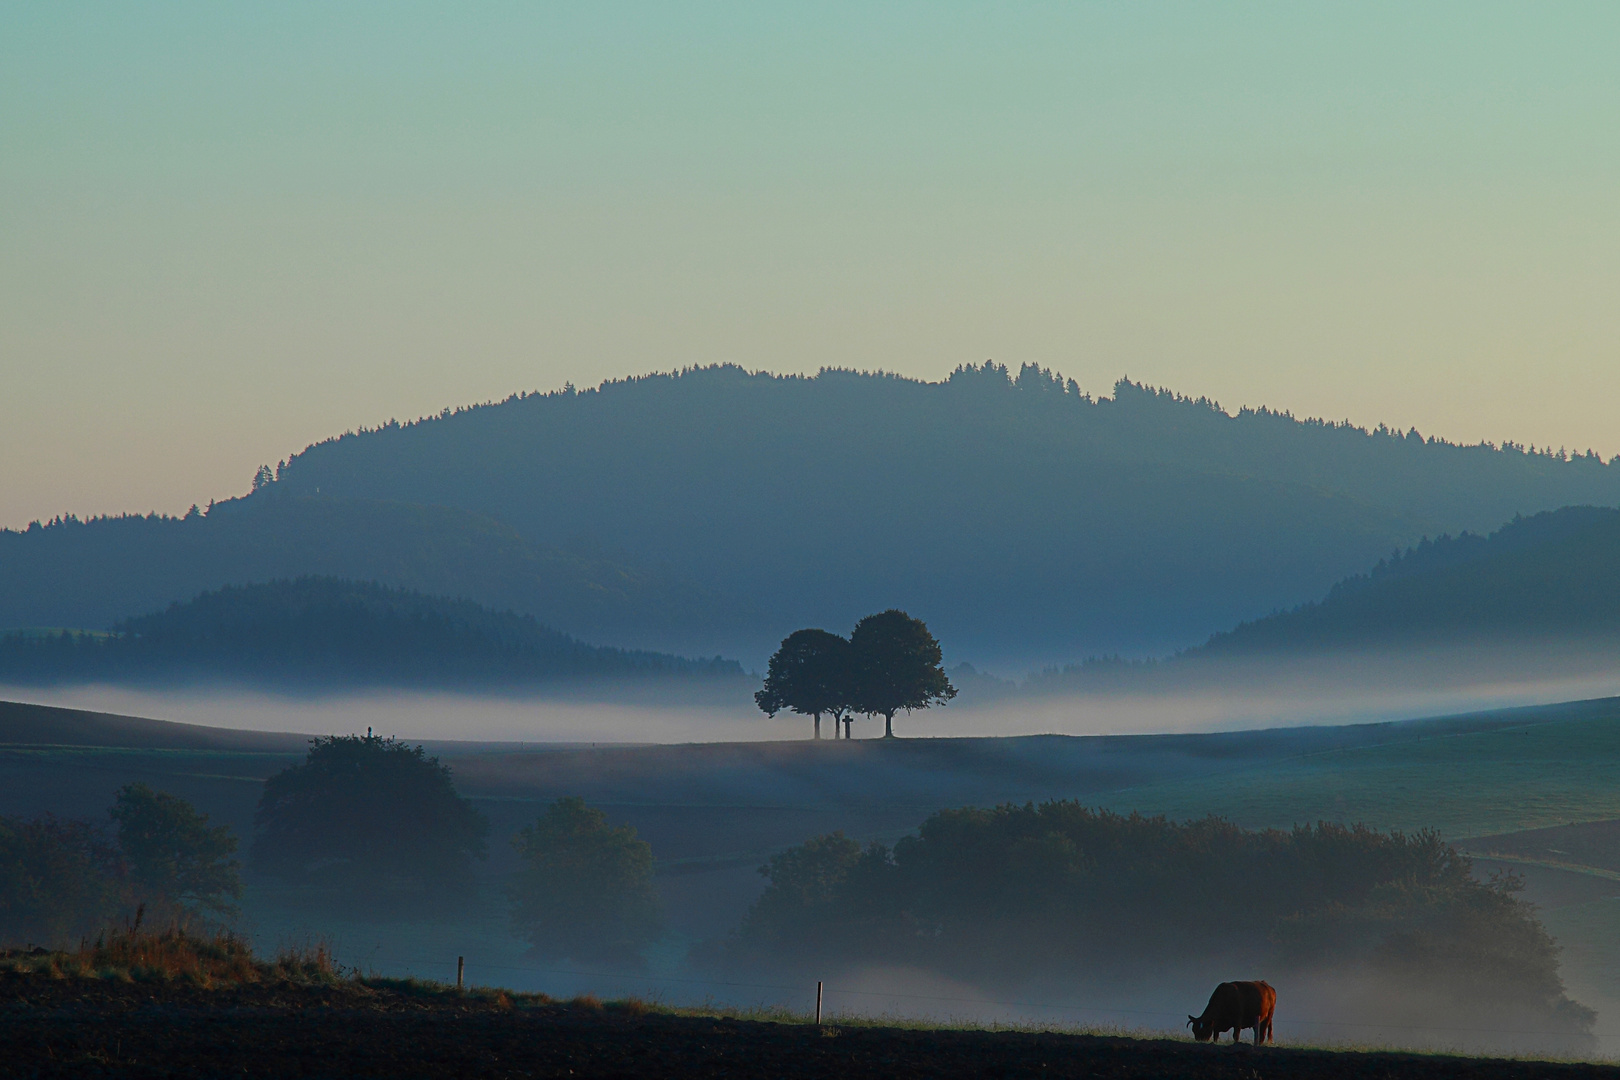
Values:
[(1534, 787)]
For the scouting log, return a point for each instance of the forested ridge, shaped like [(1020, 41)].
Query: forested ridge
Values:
[(1025, 519), (1553, 576), (326, 633), (91, 574), (1017, 514)]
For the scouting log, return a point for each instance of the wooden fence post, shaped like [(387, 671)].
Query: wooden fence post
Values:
[(818, 1002), (461, 967)]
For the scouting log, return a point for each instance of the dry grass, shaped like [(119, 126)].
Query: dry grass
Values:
[(135, 953)]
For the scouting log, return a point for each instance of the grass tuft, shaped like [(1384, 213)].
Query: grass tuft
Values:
[(134, 953)]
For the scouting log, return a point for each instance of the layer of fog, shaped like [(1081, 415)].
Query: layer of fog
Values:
[(1228, 695)]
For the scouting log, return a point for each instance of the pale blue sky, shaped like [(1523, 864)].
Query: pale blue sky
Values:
[(229, 230)]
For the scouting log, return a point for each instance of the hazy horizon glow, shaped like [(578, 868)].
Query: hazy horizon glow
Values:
[(233, 231), (1342, 688)]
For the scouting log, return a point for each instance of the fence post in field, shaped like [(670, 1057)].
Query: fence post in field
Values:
[(461, 967), (818, 1002)]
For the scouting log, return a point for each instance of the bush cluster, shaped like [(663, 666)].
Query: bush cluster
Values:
[(62, 880), (1027, 891)]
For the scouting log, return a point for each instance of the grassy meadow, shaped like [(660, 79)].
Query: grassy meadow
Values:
[(1558, 767)]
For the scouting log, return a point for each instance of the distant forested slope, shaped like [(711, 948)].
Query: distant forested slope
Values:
[(1024, 520), (326, 633), (1551, 577), (1018, 516), (90, 574)]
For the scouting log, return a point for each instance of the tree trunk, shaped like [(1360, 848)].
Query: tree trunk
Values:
[(888, 725), (818, 725)]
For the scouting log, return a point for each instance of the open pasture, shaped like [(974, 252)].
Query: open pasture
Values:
[(714, 812)]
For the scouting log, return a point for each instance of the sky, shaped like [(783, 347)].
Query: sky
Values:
[(228, 231)]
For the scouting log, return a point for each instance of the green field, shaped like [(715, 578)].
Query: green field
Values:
[(1545, 772), (714, 812)]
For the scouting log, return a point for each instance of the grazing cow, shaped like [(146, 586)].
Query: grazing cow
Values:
[(1235, 1006)]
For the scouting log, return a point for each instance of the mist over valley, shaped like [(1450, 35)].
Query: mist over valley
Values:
[(1169, 653)]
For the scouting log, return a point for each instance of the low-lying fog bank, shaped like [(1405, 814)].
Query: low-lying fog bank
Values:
[(1103, 699)]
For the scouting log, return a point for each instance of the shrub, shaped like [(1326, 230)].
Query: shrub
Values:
[(371, 820), (585, 889), (59, 880), (177, 862), (1039, 891), (137, 952)]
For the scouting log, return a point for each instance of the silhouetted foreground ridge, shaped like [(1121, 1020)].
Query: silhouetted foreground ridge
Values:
[(157, 1027)]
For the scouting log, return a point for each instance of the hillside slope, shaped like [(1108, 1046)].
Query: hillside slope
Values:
[(90, 574), (1019, 517), (326, 633), (1026, 521), (1551, 577)]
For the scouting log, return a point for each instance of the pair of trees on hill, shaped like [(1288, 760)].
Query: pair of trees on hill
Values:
[(888, 663)]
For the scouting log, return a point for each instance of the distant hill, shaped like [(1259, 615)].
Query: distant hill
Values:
[(1018, 515), (325, 633), (93, 573), (1025, 520), (1547, 578)]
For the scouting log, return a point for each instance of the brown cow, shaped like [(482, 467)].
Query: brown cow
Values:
[(1235, 1006)]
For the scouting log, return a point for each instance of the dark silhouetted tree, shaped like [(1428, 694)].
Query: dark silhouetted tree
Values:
[(810, 674), (369, 818), (897, 665), (585, 890), (177, 861), (59, 880)]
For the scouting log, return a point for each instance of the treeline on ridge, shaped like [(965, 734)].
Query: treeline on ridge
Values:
[(1027, 517), (93, 573), (1032, 521), (1551, 577), (326, 632)]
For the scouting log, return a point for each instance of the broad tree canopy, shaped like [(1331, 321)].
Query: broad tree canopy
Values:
[(898, 666), (176, 859), (369, 818), (810, 674), (585, 889)]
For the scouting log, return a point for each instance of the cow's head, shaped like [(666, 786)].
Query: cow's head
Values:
[(1203, 1030)]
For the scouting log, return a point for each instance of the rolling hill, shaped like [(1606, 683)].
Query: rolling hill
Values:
[(326, 633), (91, 574), (1018, 515), (1026, 521), (1550, 577)]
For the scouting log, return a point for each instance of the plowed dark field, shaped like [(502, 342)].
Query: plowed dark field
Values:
[(87, 1028)]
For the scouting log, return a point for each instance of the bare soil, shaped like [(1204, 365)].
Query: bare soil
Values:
[(91, 1027)]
